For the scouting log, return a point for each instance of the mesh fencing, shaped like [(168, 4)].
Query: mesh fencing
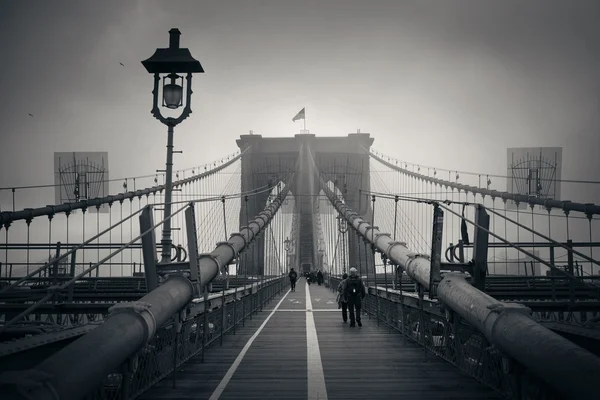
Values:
[(457, 342), (172, 347)]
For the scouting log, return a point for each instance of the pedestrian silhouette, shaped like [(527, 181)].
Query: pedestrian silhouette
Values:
[(341, 298), (319, 277), (293, 277), (355, 292)]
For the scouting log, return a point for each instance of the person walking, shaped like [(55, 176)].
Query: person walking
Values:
[(341, 298), (319, 277), (293, 277), (355, 291)]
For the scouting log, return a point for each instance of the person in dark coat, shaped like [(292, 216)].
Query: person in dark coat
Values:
[(293, 277), (341, 298), (355, 291), (319, 277)]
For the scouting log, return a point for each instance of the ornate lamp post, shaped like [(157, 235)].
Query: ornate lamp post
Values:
[(288, 247), (169, 63), (342, 226)]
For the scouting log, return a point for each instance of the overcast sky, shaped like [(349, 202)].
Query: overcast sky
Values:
[(445, 83)]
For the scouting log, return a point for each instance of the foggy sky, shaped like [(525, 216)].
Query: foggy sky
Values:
[(444, 83)]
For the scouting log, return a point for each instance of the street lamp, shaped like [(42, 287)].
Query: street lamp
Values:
[(321, 255), (287, 247), (342, 227), (170, 63)]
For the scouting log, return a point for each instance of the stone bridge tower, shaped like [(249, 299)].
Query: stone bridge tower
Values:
[(342, 160)]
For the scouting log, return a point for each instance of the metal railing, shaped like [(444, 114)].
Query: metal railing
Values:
[(168, 350), (455, 341)]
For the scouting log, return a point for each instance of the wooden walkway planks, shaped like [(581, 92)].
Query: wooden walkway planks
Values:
[(275, 365), (197, 380), (363, 362)]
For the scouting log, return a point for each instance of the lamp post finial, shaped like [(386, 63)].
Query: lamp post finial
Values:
[(174, 35)]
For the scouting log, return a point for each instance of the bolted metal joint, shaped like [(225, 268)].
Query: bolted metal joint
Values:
[(380, 234), (257, 224), (233, 250), (142, 310), (500, 308), (413, 256), (246, 239), (394, 244)]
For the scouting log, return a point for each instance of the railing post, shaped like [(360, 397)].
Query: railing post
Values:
[(235, 295), (403, 325), (480, 247), (244, 303), (222, 317), (454, 319), (436, 250), (387, 297), (514, 371), (178, 323), (72, 274), (192, 239), (205, 322), (127, 369), (55, 264), (149, 248), (423, 337), (461, 251)]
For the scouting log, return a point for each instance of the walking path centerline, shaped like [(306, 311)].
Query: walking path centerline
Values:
[(314, 365), (282, 361), (295, 310), (223, 384)]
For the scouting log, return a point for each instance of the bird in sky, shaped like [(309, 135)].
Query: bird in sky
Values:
[(122, 64), (31, 115)]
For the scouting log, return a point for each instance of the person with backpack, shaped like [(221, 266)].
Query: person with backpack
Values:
[(341, 298), (293, 277), (355, 292)]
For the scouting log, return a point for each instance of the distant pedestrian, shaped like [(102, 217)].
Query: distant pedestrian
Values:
[(355, 292), (293, 277), (319, 277), (341, 298), (307, 276)]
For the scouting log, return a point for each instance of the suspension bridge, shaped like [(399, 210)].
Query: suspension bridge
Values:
[(466, 296)]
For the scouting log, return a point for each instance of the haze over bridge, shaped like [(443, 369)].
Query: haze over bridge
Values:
[(442, 267)]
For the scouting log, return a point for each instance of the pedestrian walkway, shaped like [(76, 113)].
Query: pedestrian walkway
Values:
[(299, 348)]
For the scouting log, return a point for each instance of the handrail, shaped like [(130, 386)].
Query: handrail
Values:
[(28, 214), (124, 178), (589, 209), (88, 360), (506, 325)]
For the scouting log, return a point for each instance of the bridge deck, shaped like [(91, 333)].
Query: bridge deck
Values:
[(282, 354)]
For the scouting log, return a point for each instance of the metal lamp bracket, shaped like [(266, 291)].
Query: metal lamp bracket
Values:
[(186, 111)]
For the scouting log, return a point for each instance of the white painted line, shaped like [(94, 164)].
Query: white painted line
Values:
[(223, 384), (316, 377), (303, 310)]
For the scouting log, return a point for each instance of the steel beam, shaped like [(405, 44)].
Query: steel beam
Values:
[(417, 266), (506, 325), (588, 209), (82, 366), (510, 328), (8, 217)]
